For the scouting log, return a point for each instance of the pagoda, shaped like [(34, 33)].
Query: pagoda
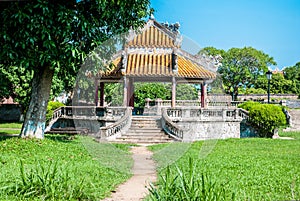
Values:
[(154, 54)]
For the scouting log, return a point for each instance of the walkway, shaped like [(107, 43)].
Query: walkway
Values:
[(144, 172)]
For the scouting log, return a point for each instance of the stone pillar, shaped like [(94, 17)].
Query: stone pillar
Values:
[(125, 86), (96, 93), (203, 95), (147, 101), (173, 103), (102, 94)]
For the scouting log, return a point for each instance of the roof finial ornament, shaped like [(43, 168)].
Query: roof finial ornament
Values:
[(152, 17)]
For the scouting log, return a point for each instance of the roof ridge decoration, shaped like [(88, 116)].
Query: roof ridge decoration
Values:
[(210, 62), (155, 35)]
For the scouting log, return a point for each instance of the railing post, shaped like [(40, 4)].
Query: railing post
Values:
[(224, 114), (147, 102), (235, 113), (283, 102), (158, 102)]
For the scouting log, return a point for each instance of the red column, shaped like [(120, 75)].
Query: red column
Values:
[(102, 94), (96, 92), (125, 90), (131, 102), (203, 95), (130, 93), (173, 103)]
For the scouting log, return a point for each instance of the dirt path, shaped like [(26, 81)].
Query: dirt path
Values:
[(143, 173)]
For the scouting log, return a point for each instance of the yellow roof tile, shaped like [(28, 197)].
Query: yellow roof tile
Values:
[(144, 65), (152, 37)]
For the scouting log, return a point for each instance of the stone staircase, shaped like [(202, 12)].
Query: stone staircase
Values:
[(295, 120), (145, 130)]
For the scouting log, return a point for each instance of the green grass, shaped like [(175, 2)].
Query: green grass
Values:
[(60, 169), (11, 125), (10, 128), (9, 131), (293, 134), (248, 169)]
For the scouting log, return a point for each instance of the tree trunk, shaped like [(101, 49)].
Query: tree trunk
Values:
[(235, 93), (35, 119)]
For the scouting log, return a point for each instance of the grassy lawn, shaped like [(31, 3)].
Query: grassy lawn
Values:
[(293, 134), (10, 128), (57, 168), (235, 169), (11, 125)]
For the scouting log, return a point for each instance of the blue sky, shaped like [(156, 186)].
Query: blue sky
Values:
[(272, 26)]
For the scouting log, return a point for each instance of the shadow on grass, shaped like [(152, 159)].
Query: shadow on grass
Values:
[(60, 138), (4, 136)]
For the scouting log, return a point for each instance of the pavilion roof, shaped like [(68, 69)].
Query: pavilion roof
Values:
[(157, 65), (154, 51)]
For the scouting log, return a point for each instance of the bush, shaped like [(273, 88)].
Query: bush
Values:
[(248, 105), (50, 109), (265, 116)]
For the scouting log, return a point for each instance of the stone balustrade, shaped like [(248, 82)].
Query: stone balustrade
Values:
[(170, 127), (203, 113), (167, 103), (195, 123), (222, 104), (78, 111), (244, 114), (113, 130), (88, 113)]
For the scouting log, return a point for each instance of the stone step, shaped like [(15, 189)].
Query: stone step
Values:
[(146, 117), (145, 130), (143, 137), (143, 141), (144, 134), (146, 122), (144, 126), (68, 130)]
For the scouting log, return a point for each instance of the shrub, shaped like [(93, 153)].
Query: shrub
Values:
[(248, 105), (265, 116), (50, 109)]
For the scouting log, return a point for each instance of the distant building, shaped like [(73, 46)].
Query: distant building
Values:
[(9, 100), (277, 71)]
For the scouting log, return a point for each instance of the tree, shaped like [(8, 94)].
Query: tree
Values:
[(241, 67), (52, 37), (278, 84), (6, 87), (17, 84), (212, 51), (293, 74), (186, 92), (152, 91)]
